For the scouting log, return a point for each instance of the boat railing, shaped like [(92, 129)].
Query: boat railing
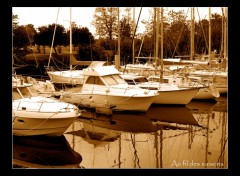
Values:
[(42, 106)]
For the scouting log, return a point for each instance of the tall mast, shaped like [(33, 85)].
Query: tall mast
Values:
[(119, 34), (70, 37), (209, 36), (157, 34), (133, 53), (192, 34), (117, 56), (161, 58), (225, 34), (50, 56)]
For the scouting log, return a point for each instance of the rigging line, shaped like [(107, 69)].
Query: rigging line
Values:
[(31, 45), (143, 37), (202, 29), (136, 27), (53, 39), (179, 35)]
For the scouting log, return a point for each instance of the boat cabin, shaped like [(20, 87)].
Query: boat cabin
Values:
[(20, 90), (102, 75)]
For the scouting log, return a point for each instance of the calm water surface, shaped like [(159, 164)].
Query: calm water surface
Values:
[(195, 136)]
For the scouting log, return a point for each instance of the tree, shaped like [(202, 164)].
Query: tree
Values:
[(81, 36), (20, 37), (216, 29), (105, 22), (31, 31), (45, 36), (15, 21), (20, 41)]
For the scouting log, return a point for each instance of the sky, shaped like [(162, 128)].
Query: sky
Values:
[(83, 16)]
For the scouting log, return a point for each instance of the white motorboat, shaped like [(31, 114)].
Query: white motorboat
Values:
[(206, 89), (38, 115), (168, 93), (103, 86)]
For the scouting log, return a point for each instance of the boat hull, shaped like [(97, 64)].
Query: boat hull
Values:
[(118, 103), (207, 93), (222, 89), (66, 77), (175, 97), (31, 124)]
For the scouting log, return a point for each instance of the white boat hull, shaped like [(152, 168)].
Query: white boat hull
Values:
[(119, 103), (42, 116), (176, 97), (30, 124), (66, 77), (207, 93)]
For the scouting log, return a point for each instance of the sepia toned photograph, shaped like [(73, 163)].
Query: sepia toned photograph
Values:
[(120, 88)]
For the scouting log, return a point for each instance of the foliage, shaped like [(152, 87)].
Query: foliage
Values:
[(91, 53), (176, 35), (105, 22)]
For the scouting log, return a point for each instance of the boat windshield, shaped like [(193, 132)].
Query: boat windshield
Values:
[(23, 92), (113, 79), (141, 80)]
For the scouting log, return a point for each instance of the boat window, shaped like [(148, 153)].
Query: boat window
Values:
[(110, 80), (25, 92), (141, 80), (119, 79), (94, 80), (113, 79), (16, 95), (153, 79), (130, 82)]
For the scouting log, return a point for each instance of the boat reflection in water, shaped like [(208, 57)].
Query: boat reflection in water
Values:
[(44, 152), (163, 137)]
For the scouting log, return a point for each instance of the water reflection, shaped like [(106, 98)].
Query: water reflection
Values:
[(195, 136), (44, 152)]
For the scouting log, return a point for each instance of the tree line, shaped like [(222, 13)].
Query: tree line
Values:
[(103, 45)]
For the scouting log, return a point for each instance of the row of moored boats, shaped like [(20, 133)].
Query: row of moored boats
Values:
[(38, 109)]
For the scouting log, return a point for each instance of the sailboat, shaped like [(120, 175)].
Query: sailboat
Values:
[(188, 78), (168, 93), (216, 76), (68, 77)]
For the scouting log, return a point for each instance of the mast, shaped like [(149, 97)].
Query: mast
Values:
[(117, 56), (157, 34), (133, 53), (161, 58), (70, 37), (192, 34), (50, 56), (209, 36), (119, 41), (225, 38)]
